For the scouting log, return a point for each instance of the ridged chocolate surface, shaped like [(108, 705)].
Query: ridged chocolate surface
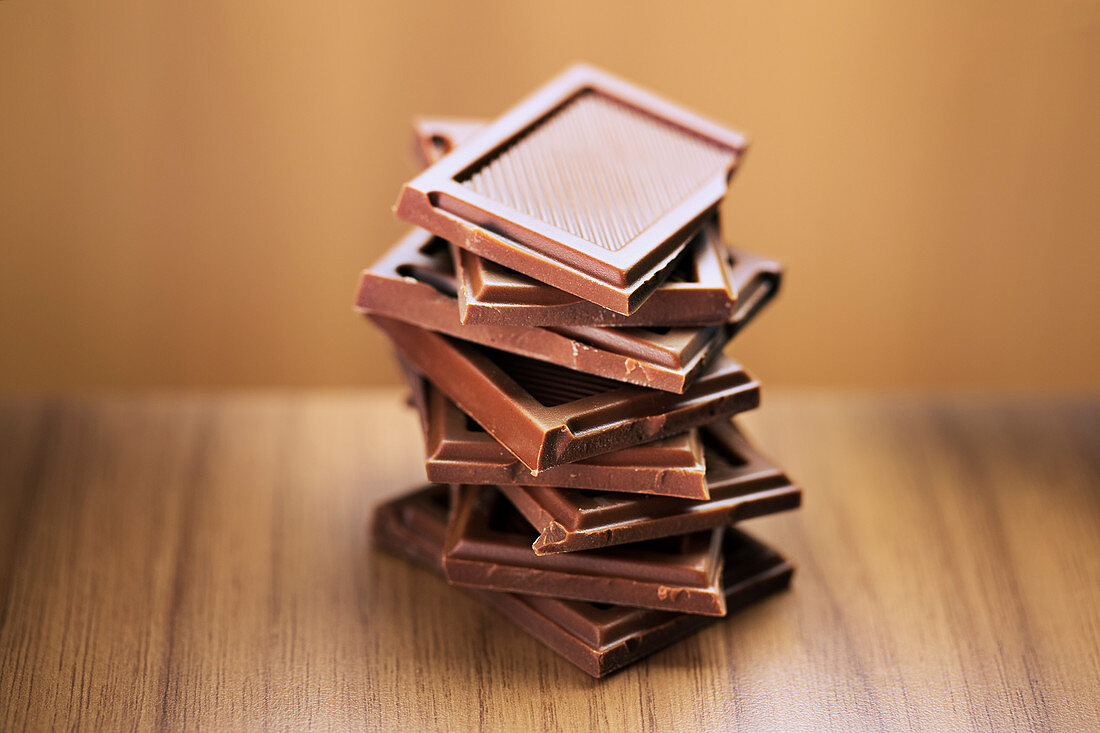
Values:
[(548, 383), (590, 184), (701, 289), (599, 170)]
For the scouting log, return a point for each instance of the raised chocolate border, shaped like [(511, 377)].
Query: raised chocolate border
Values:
[(457, 454), (545, 436), (742, 484), (476, 555), (491, 294), (722, 277), (619, 280), (407, 284)]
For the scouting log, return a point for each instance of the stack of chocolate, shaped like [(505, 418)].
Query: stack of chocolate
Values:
[(560, 315)]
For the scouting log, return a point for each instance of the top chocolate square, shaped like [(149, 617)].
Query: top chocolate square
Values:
[(590, 185)]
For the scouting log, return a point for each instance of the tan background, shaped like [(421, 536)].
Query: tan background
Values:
[(187, 190)]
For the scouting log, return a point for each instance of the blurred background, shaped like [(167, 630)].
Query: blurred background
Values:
[(189, 190)]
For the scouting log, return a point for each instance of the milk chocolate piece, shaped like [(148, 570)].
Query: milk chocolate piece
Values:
[(459, 451), (547, 415), (434, 137), (413, 526), (414, 282), (742, 483), (417, 398), (489, 546), (595, 637), (590, 184), (704, 288), (711, 284)]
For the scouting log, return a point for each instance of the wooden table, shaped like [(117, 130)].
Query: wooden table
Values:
[(202, 561)]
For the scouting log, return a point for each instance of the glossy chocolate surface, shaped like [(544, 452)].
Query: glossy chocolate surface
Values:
[(742, 484), (547, 415), (590, 184), (414, 282), (488, 546), (595, 637), (459, 451), (704, 286)]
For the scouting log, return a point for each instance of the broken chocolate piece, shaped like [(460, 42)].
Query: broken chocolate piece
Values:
[(459, 451), (705, 287), (414, 282), (547, 415), (489, 546), (742, 484)]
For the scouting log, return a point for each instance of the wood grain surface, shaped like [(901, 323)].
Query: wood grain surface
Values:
[(202, 562)]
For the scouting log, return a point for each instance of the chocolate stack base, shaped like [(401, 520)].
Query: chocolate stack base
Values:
[(560, 319), (598, 638)]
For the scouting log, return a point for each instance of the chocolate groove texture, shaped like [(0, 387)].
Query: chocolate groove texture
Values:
[(550, 384), (599, 170)]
